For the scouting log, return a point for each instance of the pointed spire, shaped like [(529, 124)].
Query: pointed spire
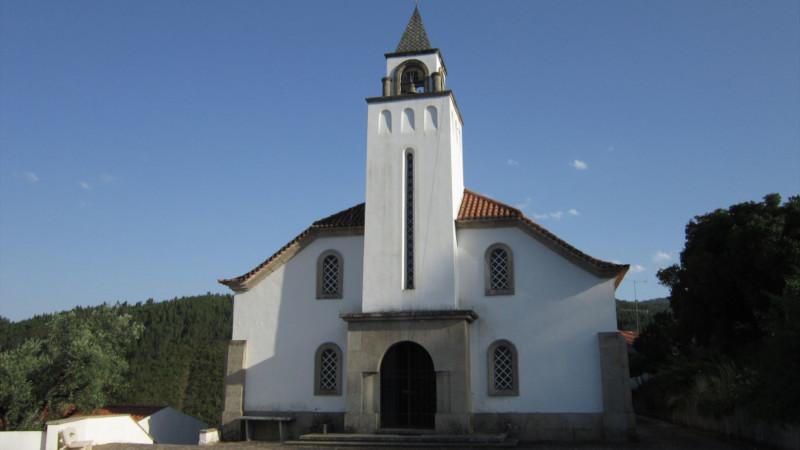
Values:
[(415, 38)]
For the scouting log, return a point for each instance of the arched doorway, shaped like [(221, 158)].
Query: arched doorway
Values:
[(408, 387)]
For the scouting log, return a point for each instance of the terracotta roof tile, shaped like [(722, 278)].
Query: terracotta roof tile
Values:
[(629, 336), (348, 218), (475, 208), (138, 412)]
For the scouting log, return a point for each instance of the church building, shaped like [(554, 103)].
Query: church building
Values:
[(429, 307)]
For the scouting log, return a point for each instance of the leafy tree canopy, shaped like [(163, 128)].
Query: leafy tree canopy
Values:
[(732, 339), (79, 365), (735, 262)]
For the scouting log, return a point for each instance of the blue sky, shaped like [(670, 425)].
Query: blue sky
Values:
[(149, 148)]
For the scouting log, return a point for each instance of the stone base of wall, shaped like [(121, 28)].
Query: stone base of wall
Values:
[(535, 427), (527, 427), (304, 422)]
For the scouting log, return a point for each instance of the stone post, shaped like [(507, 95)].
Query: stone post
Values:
[(619, 422), (234, 391), (387, 86)]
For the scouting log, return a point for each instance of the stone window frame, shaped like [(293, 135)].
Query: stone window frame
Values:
[(321, 295), (514, 369), (318, 369), (487, 272)]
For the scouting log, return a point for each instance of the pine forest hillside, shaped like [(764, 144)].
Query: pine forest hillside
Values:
[(179, 359)]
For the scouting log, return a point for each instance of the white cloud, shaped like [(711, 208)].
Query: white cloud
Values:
[(84, 185), (637, 268), (555, 215), (661, 257), (580, 165), (512, 162), (30, 177), (106, 178), (573, 212), (524, 204)]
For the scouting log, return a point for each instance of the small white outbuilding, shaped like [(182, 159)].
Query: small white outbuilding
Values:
[(163, 424)]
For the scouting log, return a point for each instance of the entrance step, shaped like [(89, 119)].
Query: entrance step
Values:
[(404, 440)]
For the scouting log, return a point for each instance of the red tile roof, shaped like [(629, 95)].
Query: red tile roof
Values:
[(629, 336), (475, 210), (351, 218), (475, 206), (138, 412)]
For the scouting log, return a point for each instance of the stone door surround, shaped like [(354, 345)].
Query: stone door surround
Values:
[(443, 334)]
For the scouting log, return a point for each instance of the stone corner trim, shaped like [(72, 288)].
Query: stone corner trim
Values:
[(234, 389), (619, 421)]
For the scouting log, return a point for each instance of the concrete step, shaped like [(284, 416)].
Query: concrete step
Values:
[(404, 440)]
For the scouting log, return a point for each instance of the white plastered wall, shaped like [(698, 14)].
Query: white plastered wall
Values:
[(22, 440), (98, 429), (553, 320), (284, 324), (438, 186)]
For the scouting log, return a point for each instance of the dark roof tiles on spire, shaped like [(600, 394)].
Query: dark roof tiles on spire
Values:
[(415, 38)]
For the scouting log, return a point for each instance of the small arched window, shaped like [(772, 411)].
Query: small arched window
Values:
[(329, 275), (407, 125), (499, 270), (431, 118), (503, 372), (385, 122), (328, 370)]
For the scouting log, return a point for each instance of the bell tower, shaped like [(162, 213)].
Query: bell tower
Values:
[(414, 182)]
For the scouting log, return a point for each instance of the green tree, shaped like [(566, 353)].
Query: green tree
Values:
[(733, 339), (20, 403), (734, 263), (79, 365)]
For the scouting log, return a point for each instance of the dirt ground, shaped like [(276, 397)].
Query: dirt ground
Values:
[(653, 435)]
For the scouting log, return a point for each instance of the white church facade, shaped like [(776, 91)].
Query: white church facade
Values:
[(429, 306)]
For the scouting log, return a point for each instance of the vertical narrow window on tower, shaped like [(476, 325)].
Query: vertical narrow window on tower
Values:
[(409, 221)]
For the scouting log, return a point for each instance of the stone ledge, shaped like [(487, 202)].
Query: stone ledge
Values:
[(389, 316)]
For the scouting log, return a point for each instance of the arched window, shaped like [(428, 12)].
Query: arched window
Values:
[(412, 77), (329, 275), (499, 270), (328, 370), (503, 372), (408, 249)]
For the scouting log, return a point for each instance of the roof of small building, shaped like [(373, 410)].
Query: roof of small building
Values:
[(476, 210), (415, 38), (138, 412), (629, 336)]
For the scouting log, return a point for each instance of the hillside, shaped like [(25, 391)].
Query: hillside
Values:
[(179, 360), (626, 312)]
